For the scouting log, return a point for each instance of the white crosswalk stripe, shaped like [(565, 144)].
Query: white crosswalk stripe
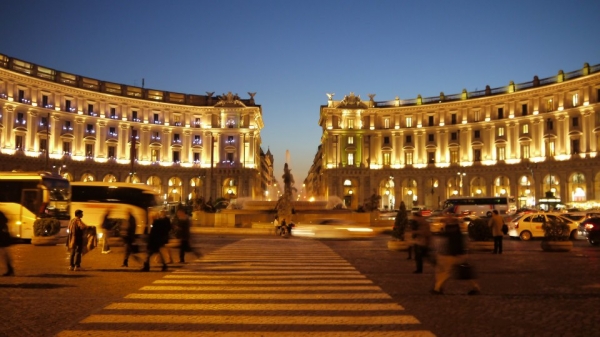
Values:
[(257, 287)]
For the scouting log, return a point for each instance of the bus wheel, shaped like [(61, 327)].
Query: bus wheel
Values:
[(525, 235)]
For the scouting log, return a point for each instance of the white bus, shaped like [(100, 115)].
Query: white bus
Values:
[(27, 196), (96, 199), (480, 206)]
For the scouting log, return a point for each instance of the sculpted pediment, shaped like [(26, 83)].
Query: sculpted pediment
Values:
[(230, 100), (352, 102)]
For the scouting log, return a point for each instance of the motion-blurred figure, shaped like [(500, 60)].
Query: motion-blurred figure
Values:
[(158, 237), (5, 241)]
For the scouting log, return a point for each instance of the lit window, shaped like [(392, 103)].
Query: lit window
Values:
[(386, 158), (350, 123), (350, 140), (500, 131), (476, 116), (386, 123), (351, 159), (525, 128), (575, 99), (409, 122), (454, 156), (551, 149), (525, 151), (501, 153), (549, 105), (409, 158)]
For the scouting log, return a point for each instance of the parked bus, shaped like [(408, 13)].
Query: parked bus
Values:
[(95, 199), (27, 196), (480, 206)]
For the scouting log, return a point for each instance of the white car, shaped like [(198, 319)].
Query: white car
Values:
[(437, 224), (529, 225), (331, 229)]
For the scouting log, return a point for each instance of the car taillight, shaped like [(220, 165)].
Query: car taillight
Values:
[(589, 227)]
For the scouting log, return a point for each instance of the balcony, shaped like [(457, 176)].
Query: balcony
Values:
[(113, 117), (112, 135), (25, 101), (155, 138), (197, 142), (176, 142), (20, 122), (66, 129), (157, 122), (136, 120), (90, 132), (93, 114)]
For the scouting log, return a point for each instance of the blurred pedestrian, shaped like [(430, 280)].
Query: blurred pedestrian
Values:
[(107, 228), (75, 240), (183, 222), (452, 255), (129, 239), (5, 241), (158, 237), (422, 237), (496, 222)]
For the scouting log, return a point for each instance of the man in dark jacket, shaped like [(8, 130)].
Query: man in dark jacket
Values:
[(129, 239), (158, 237), (5, 241)]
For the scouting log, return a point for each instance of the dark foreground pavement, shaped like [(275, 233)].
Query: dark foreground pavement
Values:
[(526, 292)]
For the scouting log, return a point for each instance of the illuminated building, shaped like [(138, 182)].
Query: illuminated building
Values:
[(184, 145), (526, 140)]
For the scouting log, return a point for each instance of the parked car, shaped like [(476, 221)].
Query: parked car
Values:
[(592, 230), (331, 229), (529, 225)]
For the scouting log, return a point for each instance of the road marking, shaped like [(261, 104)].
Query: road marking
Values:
[(245, 289)]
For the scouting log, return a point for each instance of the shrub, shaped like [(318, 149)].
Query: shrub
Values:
[(46, 227), (480, 230), (400, 223), (556, 230)]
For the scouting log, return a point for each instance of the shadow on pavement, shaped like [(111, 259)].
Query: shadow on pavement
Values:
[(58, 275), (35, 286)]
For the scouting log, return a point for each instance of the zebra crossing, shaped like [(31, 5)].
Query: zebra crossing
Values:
[(257, 287)]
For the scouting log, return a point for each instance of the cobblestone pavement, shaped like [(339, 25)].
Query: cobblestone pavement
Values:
[(268, 286)]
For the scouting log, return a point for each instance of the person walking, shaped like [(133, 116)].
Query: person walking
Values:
[(422, 237), (496, 222), (107, 227), (5, 241), (183, 221), (75, 240), (451, 256), (129, 239), (158, 237)]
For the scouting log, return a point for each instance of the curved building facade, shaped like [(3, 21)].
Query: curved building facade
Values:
[(186, 146), (533, 141)]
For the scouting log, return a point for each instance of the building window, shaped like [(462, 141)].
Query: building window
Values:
[(409, 122), (197, 140), (575, 99), (476, 116), (89, 150), (453, 135), (156, 119), (386, 123), (476, 134), (229, 139), (45, 101), (230, 157), (386, 159), (431, 120), (19, 145), (350, 123), (501, 132), (89, 128), (551, 148), (431, 157), (176, 157), (90, 108), (68, 105), (44, 121), (549, 124), (500, 113), (575, 122), (453, 119), (67, 126), (154, 155), (525, 151), (351, 159), (454, 156), (386, 140), (350, 140), (477, 155), (21, 95), (575, 146), (523, 109), (112, 131), (196, 157), (20, 118), (43, 145), (408, 157), (113, 113), (112, 152), (431, 137), (134, 115), (500, 153), (525, 128), (197, 122), (549, 105), (66, 147)]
